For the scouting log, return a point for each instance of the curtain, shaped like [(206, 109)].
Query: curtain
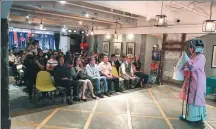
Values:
[(20, 39), (57, 38), (46, 41), (11, 40)]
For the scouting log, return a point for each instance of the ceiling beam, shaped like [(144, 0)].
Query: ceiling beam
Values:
[(155, 30), (57, 14), (190, 9)]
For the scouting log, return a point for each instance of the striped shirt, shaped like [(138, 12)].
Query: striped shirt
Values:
[(51, 63)]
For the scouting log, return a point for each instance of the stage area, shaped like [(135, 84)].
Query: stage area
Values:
[(151, 108)]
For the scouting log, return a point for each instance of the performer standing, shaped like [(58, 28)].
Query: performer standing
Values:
[(194, 87)]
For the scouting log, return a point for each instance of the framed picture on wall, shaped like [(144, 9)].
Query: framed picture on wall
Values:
[(106, 47), (117, 48), (130, 49), (213, 64)]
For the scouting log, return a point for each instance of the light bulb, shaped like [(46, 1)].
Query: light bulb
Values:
[(92, 32), (63, 30), (29, 22), (87, 15), (62, 2), (130, 36), (210, 26), (161, 21), (74, 31), (69, 31), (41, 26), (27, 16), (108, 36), (80, 22)]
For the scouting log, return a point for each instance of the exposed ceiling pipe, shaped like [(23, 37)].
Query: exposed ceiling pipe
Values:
[(191, 9), (145, 26), (56, 19), (99, 10), (45, 22), (61, 15)]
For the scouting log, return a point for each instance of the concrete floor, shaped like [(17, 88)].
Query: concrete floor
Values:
[(154, 108)]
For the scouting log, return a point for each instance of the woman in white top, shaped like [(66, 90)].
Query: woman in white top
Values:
[(79, 73)]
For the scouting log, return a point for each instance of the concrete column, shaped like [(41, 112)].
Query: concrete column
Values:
[(142, 49), (91, 45), (5, 105)]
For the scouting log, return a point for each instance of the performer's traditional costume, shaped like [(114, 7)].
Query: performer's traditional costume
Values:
[(195, 83)]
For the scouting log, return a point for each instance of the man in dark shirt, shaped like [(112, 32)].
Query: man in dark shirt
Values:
[(115, 62), (62, 78)]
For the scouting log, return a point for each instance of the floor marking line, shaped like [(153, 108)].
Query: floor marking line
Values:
[(208, 125), (47, 118), (160, 109), (157, 117), (172, 91), (91, 115), (129, 115), (71, 110)]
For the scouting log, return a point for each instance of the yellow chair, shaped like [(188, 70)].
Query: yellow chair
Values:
[(121, 80), (44, 83)]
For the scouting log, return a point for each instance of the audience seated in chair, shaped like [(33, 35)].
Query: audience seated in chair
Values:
[(41, 60), (115, 62), (62, 78), (127, 73), (51, 63), (78, 73), (93, 73), (137, 71), (105, 69)]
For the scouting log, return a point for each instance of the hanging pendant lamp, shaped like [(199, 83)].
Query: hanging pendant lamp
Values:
[(161, 20), (115, 33), (209, 25)]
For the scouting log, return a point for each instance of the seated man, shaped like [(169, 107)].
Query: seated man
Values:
[(62, 78), (115, 62), (93, 73), (127, 73), (105, 69)]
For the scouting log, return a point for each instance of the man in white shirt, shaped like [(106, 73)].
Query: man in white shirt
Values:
[(127, 73), (93, 74), (105, 69)]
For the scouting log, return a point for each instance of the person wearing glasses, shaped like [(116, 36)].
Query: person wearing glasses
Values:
[(127, 73)]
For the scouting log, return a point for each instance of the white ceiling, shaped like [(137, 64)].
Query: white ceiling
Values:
[(188, 12), (132, 15)]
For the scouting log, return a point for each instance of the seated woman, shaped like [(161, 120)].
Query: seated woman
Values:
[(137, 71), (78, 73)]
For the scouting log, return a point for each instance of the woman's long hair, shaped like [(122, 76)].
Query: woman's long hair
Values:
[(81, 65), (137, 60)]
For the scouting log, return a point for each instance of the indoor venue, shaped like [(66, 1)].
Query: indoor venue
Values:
[(108, 64)]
